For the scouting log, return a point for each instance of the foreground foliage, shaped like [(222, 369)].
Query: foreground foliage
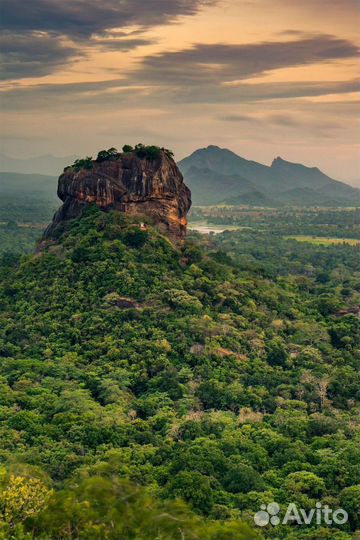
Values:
[(220, 375)]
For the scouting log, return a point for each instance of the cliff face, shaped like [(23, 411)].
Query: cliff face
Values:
[(130, 184)]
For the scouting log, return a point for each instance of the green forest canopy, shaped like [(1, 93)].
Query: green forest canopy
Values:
[(228, 380)]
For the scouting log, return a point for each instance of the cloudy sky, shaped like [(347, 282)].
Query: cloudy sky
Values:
[(261, 78)]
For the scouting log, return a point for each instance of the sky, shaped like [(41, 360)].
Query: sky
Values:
[(262, 78)]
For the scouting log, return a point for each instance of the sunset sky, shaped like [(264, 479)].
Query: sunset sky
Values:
[(258, 77)]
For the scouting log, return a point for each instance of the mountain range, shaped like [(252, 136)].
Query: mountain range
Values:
[(218, 176), (214, 175)]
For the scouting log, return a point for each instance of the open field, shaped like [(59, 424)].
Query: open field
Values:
[(322, 240)]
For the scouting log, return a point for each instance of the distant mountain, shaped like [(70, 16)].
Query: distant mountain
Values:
[(28, 185), (47, 164), (217, 175), (214, 175), (27, 197)]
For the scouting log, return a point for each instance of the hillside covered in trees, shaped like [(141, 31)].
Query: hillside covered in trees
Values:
[(152, 391)]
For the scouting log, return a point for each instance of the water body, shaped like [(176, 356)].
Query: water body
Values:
[(207, 229)]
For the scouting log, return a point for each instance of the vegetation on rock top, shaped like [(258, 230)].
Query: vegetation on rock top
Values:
[(140, 150)]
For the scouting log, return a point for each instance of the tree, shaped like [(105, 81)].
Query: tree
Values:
[(305, 482), (322, 385), (103, 155), (149, 152), (22, 498), (193, 487), (135, 237), (276, 352), (182, 300), (85, 163), (127, 148), (350, 501), (168, 152), (241, 478)]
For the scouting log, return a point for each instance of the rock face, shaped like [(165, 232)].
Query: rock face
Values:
[(130, 184)]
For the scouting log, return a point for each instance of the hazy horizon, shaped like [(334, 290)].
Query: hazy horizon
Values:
[(354, 182)]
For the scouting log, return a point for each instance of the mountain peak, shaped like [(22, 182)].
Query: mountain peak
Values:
[(213, 147), (216, 174), (279, 161), (210, 150)]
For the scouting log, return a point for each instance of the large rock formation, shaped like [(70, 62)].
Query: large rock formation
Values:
[(152, 187)]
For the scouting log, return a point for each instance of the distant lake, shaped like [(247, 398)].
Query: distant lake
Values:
[(207, 229)]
